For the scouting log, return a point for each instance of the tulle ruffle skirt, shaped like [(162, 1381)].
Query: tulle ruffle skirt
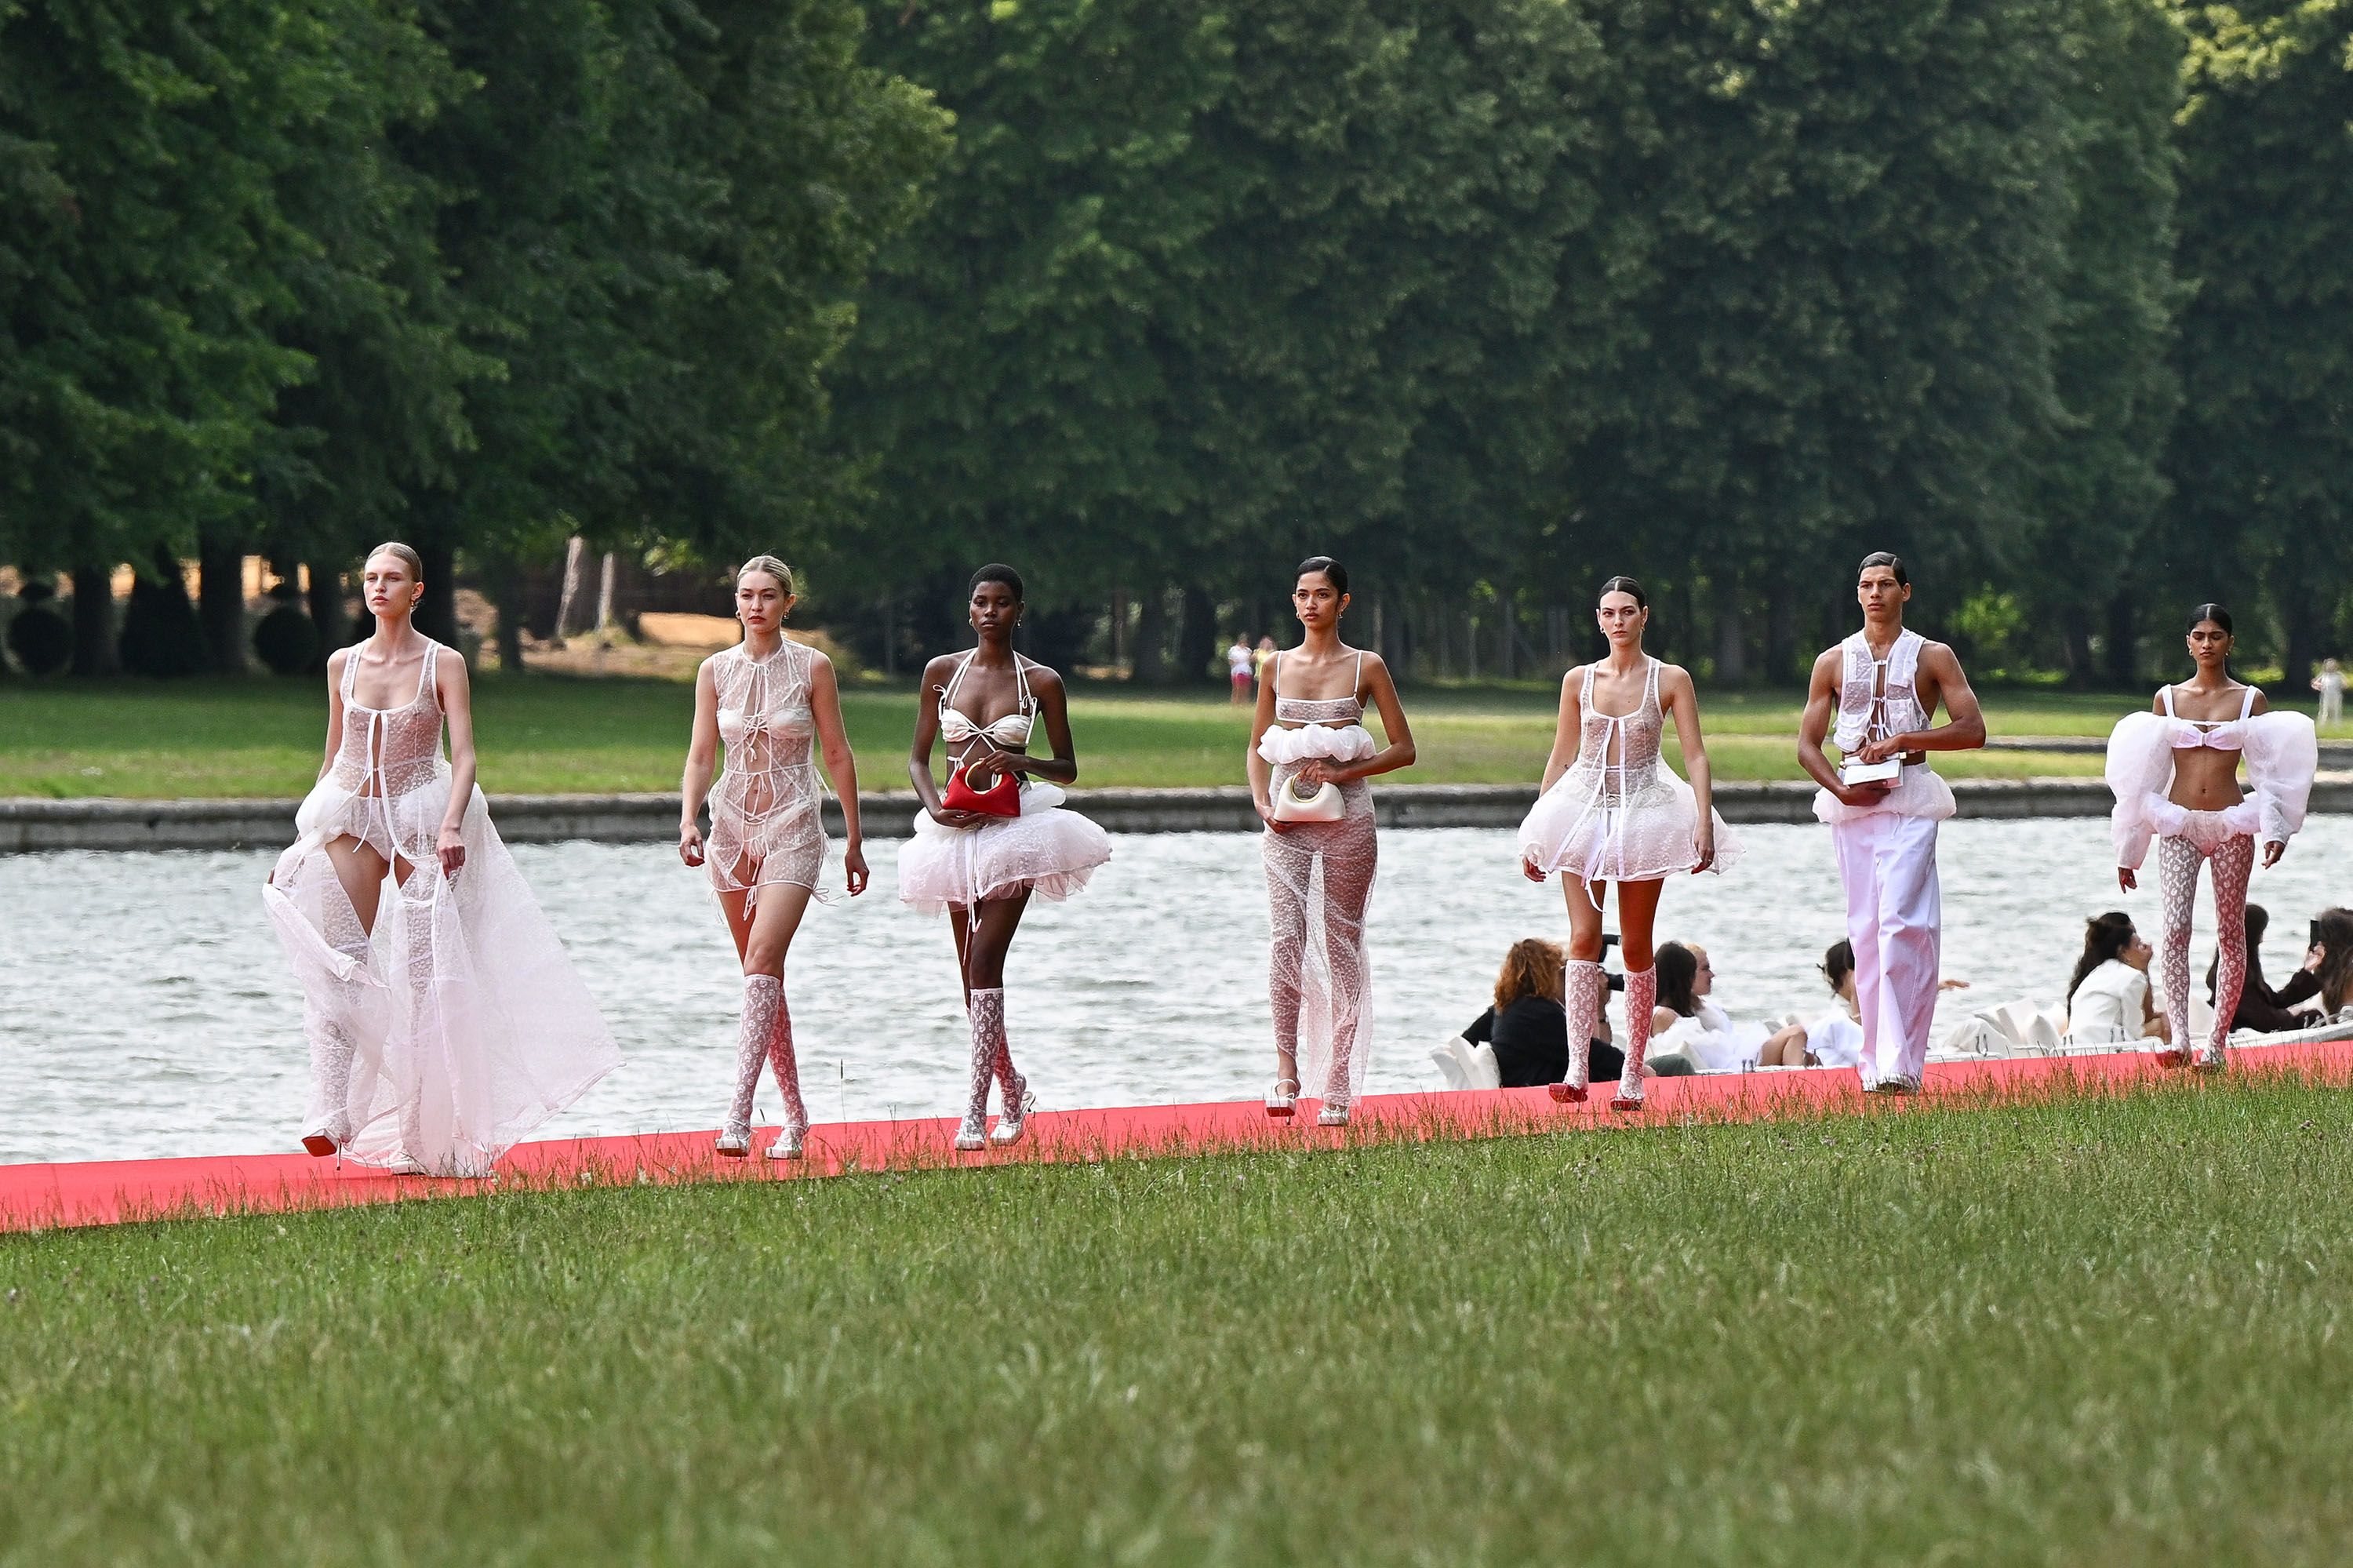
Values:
[(1918, 792), (1047, 850), (464, 1022), (1595, 830)]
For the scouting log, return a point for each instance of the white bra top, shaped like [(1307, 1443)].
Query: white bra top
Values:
[(1304, 710), (2189, 735), (1010, 733)]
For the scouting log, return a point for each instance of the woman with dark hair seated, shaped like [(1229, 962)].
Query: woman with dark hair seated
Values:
[(1694, 1034), (1528, 1025), (2262, 1007), (2108, 995)]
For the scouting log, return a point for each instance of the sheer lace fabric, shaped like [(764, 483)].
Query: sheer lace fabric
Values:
[(992, 1059), (1879, 698), (2206, 836), (766, 825), (1641, 1000), (1319, 880), (461, 1025), (1620, 814), (1583, 986)]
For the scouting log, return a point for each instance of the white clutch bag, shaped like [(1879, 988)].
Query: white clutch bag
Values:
[(1851, 772), (1321, 804)]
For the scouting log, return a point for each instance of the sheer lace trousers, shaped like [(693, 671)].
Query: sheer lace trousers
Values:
[(2177, 864)]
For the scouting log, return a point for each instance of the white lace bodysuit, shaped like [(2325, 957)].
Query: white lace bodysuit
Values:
[(767, 820), (1319, 880)]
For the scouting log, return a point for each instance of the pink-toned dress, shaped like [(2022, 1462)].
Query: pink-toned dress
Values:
[(766, 823), (460, 1025)]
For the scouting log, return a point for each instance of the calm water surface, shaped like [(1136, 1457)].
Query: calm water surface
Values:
[(145, 1009)]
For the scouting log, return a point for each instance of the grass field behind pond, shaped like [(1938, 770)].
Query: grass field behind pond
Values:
[(2091, 1332), (559, 735)]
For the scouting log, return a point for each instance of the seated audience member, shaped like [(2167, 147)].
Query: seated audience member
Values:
[(2108, 998), (1835, 1039), (1528, 1026), (1690, 1033), (2262, 1007), (2333, 934)]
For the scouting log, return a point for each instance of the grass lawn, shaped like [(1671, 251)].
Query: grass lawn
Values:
[(2093, 1332), (557, 733)]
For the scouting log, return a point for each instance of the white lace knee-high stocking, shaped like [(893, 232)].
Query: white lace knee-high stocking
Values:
[(783, 1062), (2176, 879), (1581, 990), (987, 1009), (1641, 996), (329, 1125), (764, 997), (2233, 863)]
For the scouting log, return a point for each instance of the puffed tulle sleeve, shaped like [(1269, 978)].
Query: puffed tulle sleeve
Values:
[(2140, 770), (2283, 752)]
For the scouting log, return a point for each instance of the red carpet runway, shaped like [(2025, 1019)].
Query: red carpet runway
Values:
[(38, 1197)]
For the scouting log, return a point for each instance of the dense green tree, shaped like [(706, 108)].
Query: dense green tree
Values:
[(2263, 459)]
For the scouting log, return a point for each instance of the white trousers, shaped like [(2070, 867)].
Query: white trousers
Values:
[(1895, 917)]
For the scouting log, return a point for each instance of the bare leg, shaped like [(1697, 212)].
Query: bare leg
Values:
[(2234, 861), (2176, 870)]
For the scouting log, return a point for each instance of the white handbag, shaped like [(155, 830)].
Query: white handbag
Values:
[(1322, 804)]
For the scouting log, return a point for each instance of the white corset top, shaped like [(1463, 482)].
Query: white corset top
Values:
[(1634, 736), (390, 751), (2189, 735)]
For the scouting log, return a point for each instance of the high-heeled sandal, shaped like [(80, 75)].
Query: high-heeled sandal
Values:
[(734, 1141), (1014, 1117), (972, 1135), (1334, 1113), (790, 1141), (1282, 1099), (2209, 1059)]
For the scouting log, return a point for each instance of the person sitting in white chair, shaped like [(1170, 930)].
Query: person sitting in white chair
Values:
[(2108, 999)]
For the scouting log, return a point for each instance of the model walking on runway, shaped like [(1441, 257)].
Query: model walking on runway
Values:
[(766, 698), (444, 1019), (1612, 811), (1308, 759), (1882, 803), (2175, 774), (998, 833)]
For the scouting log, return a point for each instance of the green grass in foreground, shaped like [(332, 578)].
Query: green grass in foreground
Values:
[(2093, 1332), (556, 735)]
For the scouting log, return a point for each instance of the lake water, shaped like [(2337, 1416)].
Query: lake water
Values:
[(145, 1009)]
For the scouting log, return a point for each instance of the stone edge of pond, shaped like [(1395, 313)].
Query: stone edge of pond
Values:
[(30, 825)]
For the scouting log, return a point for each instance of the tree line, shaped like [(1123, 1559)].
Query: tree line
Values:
[(1489, 298)]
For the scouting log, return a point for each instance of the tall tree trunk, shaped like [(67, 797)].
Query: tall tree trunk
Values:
[(1197, 637), (2075, 627), (507, 598), (1118, 627), (2123, 643), (1730, 635), (326, 596), (93, 622), (221, 602), (436, 612), (1152, 636), (574, 548), (1780, 631)]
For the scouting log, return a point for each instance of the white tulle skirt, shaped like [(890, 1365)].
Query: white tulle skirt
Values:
[(1047, 850), (1918, 792), (1587, 826), (461, 1025)]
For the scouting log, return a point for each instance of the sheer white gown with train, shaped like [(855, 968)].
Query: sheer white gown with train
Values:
[(460, 1025)]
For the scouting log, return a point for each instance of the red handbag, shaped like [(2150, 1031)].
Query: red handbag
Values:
[(1002, 798)]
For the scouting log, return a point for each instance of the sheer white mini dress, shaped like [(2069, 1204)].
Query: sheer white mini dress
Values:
[(1047, 850), (461, 1025), (1620, 814), (766, 810), (1319, 880), (2282, 752)]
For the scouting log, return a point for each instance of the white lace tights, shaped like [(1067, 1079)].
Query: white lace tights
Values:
[(1582, 988), (2176, 868), (1641, 997)]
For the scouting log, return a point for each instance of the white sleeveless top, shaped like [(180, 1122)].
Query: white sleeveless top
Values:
[(1877, 696)]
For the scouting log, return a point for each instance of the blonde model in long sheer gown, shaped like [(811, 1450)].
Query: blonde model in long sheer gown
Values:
[(445, 1020)]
